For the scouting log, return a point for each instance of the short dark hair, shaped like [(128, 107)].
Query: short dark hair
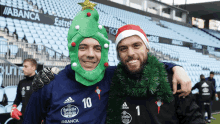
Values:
[(212, 72), (33, 61), (202, 76)]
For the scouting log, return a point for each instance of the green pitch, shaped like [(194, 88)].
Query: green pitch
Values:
[(217, 121)]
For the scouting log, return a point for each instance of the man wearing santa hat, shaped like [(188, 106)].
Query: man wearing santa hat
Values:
[(140, 92)]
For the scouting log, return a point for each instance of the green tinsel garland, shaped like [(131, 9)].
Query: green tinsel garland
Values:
[(153, 81)]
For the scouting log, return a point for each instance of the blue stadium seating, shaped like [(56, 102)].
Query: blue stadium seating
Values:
[(2, 109), (10, 92), (2, 91)]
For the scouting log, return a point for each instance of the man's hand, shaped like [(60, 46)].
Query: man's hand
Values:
[(15, 113), (44, 77), (216, 97), (180, 77)]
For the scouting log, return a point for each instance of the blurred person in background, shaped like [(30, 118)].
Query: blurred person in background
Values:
[(212, 79), (206, 95), (24, 89)]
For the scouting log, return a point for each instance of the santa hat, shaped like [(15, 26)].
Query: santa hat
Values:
[(130, 30)]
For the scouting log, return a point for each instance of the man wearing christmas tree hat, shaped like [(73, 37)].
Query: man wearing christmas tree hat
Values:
[(140, 92), (79, 93)]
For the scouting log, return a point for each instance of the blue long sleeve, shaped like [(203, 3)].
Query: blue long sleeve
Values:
[(169, 67), (37, 105)]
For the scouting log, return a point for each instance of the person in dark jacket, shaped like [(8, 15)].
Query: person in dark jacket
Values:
[(24, 89), (206, 94), (212, 79)]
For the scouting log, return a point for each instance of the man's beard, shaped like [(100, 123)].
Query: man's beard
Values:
[(137, 73)]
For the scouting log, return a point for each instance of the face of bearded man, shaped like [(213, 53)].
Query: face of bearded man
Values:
[(133, 53)]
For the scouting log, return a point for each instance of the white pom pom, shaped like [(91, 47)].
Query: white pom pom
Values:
[(74, 64), (106, 45), (100, 27), (77, 27)]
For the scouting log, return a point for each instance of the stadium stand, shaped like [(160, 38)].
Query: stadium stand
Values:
[(36, 38), (216, 33)]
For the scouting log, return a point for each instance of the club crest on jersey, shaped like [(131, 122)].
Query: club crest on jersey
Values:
[(27, 87), (125, 106), (159, 103), (68, 100), (126, 117), (23, 92), (98, 91), (69, 111)]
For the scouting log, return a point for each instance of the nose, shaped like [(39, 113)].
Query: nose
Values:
[(130, 52), (91, 53)]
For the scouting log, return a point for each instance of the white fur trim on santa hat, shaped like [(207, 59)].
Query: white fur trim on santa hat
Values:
[(128, 33)]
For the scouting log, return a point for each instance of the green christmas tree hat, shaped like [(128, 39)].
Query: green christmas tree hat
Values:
[(85, 25)]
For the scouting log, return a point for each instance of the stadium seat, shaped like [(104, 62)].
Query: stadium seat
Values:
[(58, 35), (33, 31), (27, 34), (3, 42), (30, 40), (58, 42), (2, 109), (31, 27), (35, 35), (8, 108), (10, 92), (39, 32), (42, 37), (13, 49), (65, 52), (4, 49), (2, 91), (2, 25), (37, 40), (61, 47), (11, 30), (20, 35), (48, 45)]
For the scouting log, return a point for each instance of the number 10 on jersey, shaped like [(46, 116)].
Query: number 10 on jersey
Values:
[(87, 102)]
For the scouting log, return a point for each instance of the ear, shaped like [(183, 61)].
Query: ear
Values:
[(33, 68)]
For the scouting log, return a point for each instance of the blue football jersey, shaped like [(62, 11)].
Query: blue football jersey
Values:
[(64, 100)]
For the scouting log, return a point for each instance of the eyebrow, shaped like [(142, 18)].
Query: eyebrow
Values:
[(137, 42), (87, 45)]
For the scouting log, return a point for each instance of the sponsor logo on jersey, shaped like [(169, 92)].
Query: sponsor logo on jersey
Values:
[(125, 106), (69, 111), (205, 84), (98, 91), (68, 100), (23, 92), (70, 121), (126, 117)]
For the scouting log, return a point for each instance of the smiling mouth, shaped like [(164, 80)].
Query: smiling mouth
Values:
[(132, 61), (88, 62)]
